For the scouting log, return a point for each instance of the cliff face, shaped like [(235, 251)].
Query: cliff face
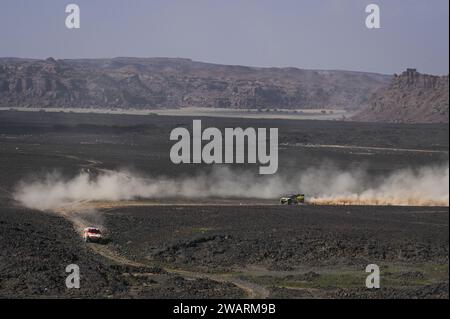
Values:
[(163, 82), (412, 97)]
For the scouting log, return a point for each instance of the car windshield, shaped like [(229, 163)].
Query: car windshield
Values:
[(94, 231)]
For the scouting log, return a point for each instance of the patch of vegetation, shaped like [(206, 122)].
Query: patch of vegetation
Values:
[(391, 276)]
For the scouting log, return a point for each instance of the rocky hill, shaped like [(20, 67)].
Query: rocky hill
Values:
[(412, 97), (145, 83)]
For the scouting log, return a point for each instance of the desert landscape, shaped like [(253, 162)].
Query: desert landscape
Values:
[(223, 158), (209, 242)]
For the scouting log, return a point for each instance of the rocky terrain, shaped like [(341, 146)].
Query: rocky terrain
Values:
[(412, 97), (36, 247), (146, 83), (197, 250)]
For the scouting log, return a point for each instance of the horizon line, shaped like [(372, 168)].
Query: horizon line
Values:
[(205, 62)]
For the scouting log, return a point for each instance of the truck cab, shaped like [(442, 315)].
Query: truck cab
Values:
[(295, 199), (92, 234)]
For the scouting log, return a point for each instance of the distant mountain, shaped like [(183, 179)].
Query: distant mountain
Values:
[(412, 97), (146, 83)]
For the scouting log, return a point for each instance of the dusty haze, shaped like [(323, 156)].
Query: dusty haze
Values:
[(427, 186)]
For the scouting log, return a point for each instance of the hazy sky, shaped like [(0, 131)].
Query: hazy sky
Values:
[(314, 34)]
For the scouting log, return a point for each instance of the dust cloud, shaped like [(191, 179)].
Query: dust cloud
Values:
[(323, 185)]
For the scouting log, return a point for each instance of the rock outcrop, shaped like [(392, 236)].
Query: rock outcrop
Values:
[(412, 97), (146, 83)]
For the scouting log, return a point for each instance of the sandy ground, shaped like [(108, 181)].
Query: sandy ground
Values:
[(293, 114)]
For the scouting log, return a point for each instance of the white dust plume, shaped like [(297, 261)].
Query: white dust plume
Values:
[(325, 184)]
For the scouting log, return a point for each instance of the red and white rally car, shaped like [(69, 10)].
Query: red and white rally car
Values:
[(92, 234)]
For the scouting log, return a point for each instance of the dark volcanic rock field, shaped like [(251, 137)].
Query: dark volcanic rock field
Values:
[(281, 238), (36, 248), (230, 251)]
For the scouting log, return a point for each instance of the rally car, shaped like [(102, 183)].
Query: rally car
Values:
[(92, 234), (295, 199)]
